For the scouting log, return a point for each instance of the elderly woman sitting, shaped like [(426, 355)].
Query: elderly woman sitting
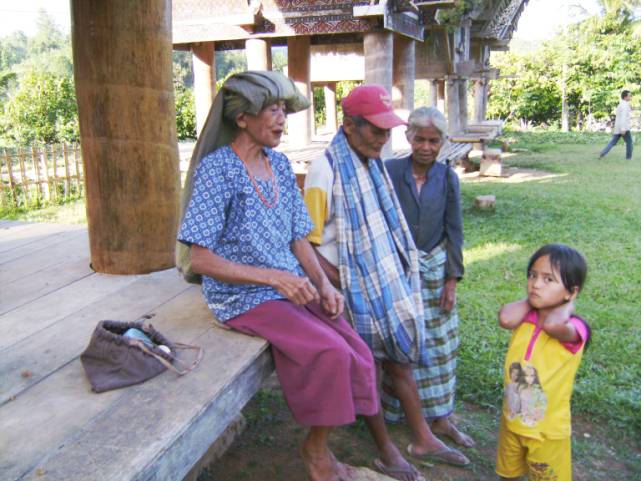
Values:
[(244, 229), (428, 192)]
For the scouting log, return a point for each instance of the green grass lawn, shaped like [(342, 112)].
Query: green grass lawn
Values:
[(592, 205)]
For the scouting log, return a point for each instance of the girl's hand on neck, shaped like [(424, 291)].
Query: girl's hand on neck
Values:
[(555, 323)]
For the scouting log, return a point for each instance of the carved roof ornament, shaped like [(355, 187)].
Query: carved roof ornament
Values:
[(502, 24)]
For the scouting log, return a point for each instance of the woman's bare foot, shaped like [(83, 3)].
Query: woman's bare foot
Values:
[(322, 465), (342, 469), (447, 428)]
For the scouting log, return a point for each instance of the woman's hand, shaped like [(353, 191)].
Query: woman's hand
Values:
[(331, 300), (297, 289), (448, 296)]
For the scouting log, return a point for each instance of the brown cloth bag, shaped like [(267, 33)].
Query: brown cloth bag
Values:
[(112, 361)]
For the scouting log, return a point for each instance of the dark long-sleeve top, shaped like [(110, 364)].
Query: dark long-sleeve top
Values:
[(434, 214)]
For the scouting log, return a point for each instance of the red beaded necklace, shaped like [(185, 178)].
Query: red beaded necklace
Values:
[(272, 177)]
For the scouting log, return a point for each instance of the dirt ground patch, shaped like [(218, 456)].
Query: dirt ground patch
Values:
[(510, 175), (268, 449)]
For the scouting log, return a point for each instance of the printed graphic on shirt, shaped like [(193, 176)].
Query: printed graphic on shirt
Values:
[(542, 472), (524, 395)]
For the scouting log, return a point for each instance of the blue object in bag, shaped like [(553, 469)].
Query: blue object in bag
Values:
[(134, 333)]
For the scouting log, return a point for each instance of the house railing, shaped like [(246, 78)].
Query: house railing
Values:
[(38, 175)]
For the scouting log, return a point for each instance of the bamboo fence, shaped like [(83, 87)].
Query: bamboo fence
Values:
[(39, 175)]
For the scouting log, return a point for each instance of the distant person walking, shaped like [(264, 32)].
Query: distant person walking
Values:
[(621, 126)]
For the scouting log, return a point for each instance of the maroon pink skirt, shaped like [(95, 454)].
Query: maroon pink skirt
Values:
[(326, 371)]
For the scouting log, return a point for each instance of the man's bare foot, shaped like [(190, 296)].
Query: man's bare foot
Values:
[(447, 428), (393, 464)]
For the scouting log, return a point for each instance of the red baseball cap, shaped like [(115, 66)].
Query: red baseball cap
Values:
[(374, 104)]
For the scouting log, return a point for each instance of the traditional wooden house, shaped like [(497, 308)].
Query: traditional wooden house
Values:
[(391, 42), (452, 56), (327, 41)]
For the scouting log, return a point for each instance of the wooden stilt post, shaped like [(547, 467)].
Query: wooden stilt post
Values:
[(480, 99), (259, 54), (440, 100), (463, 113), (403, 77), (453, 111), (204, 61), (331, 121), (122, 58), (378, 49), (299, 125), (434, 93)]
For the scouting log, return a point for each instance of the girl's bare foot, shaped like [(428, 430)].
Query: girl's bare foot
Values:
[(447, 428)]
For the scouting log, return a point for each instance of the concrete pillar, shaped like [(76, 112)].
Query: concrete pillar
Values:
[(480, 100), (204, 60), (331, 120), (299, 125), (462, 103), (124, 87), (378, 48), (453, 112), (440, 99), (403, 76), (259, 54)]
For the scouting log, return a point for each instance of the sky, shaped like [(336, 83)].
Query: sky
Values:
[(539, 21), (542, 18)]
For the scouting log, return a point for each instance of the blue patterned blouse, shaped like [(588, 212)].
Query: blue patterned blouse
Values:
[(226, 215)]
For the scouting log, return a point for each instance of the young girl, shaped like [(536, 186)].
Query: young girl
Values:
[(547, 344)]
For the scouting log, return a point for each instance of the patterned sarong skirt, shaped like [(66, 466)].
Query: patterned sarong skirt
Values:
[(436, 383)]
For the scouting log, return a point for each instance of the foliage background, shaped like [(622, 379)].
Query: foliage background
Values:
[(602, 55)]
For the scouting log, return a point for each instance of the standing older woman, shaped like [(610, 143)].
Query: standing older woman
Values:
[(245, 229), (430, 198)]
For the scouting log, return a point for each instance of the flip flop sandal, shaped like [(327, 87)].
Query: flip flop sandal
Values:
[(456, 438), (396, 472), (450, 456)]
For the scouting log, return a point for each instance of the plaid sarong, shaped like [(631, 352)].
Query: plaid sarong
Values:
[(437, 382), (377, 258)]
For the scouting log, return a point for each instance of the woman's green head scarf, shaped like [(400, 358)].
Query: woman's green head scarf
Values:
[(248, 92)]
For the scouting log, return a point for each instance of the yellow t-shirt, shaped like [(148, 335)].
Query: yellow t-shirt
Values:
[(539, 379), (319, 184)]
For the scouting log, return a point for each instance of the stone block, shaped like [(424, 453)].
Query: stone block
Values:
[(491, 163), (485, 202)]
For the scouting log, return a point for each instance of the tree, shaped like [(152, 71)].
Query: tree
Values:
[(13, 50), (527, 90), (185, 111), (601, 57), (48, 50), (42, 109), (610, 7)]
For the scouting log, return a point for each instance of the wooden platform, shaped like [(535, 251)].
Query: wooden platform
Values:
[(52, 426)]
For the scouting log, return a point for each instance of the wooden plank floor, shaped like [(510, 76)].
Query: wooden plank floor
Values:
[(52, 426)]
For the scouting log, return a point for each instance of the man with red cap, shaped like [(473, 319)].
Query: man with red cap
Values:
[(365, 247)]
